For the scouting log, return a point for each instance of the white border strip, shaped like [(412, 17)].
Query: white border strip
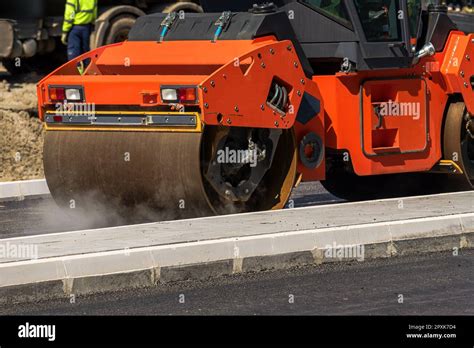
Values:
[(19, 190), (99, 264)]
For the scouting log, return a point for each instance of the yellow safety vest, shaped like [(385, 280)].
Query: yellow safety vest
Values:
[(79, 12)]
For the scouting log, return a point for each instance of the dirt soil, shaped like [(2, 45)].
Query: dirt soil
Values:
[(21, 132)]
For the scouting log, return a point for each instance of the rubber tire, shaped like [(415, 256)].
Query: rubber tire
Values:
[(119, 26)]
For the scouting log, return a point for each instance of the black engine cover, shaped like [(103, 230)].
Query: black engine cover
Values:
[(201, 26)]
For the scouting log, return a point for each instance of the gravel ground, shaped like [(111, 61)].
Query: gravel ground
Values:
[(21, 132)]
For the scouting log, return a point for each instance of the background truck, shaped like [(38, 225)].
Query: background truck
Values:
[(29, 28)]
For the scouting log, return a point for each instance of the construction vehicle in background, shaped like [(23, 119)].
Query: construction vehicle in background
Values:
[(226, 111), (32, 28)]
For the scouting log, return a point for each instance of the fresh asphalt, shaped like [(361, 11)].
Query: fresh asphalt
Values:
[(430, 284), (434, 284)]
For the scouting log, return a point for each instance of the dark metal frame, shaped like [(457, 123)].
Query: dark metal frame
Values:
[(383, 49), (347, 24)]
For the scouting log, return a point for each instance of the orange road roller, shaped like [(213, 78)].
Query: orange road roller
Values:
[(227, 111)]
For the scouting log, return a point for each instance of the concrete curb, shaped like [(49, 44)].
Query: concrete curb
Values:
[(73, 275), (19, 190)]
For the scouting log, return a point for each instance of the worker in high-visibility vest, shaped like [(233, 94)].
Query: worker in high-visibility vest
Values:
[(79, 18)]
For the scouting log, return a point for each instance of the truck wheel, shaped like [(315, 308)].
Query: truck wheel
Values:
[(119, 29), (185, 6)]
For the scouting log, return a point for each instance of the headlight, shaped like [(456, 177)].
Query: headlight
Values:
[(179, 94), (169, 94), (66, 93), (73, 94)]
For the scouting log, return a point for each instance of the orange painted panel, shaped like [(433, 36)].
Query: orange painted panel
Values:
[(395, 116)]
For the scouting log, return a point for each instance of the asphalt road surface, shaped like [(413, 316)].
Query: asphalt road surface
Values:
[(432, 284), (40, 216)]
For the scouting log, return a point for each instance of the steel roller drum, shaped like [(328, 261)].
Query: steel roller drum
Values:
[(459, 146), (151, 175), (160, 171)]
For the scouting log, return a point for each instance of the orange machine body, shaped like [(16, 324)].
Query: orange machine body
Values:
[(386, 121), (408, 136), (233, 79)]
